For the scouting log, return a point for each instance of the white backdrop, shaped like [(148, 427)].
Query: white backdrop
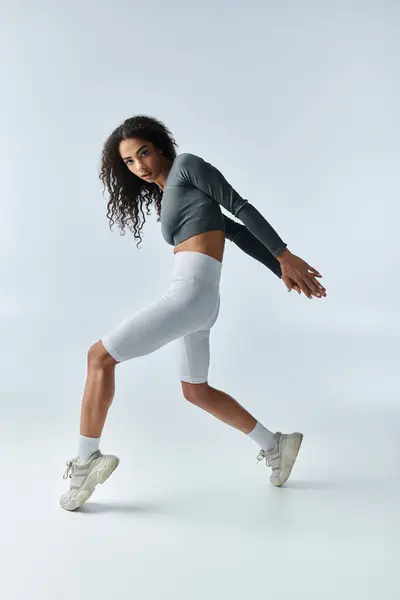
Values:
[(297, 104)]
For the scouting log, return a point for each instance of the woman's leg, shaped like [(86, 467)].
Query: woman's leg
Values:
[(183, 307), (193, 351), (219, 404), (99, 391), (194, 361)]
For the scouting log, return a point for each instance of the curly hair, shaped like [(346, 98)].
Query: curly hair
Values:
[(130, 194)]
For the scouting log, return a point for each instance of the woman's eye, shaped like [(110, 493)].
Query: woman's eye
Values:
[(144, 152)]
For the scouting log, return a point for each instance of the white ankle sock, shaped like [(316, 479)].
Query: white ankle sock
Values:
[(87, 446), (263, 437)]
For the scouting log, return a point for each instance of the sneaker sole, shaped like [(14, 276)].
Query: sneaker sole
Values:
[(292, 446), (99, 474)]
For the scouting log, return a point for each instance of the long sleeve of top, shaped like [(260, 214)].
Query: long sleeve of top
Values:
[(195, 171), (246, 241)]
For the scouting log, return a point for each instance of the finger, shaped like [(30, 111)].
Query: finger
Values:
[(316, 288), (296, 287), (314, 271), (312, 282), (304, 287), (287, 281), (321, 289), (290, 283)]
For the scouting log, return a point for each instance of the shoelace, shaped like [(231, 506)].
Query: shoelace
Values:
[(263, 455), (71, 466)]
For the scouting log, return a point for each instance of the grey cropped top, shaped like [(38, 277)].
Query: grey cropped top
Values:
[(193, 195)]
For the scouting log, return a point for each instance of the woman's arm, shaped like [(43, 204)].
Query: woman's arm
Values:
[(195, 171), (246, 241), (296, 273)]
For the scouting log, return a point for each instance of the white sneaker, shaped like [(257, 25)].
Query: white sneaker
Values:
[(283, 457), (85, 476)]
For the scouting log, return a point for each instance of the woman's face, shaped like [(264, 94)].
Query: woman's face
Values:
[(142, 158)]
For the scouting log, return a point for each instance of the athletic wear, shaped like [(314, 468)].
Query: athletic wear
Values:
[(85, 477), (193, 194), (282, 459), (246, 241), (186, 312), (87, 445), (188, 309), (263, 437)]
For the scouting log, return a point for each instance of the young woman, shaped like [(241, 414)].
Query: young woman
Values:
[(140, 169)]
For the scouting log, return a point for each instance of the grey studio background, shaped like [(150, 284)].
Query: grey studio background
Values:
[(297, 104)]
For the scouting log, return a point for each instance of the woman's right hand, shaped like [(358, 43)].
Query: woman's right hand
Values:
[(299, 275)]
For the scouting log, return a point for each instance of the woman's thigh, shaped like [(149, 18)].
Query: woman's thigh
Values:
[(193, 351), (187, 306)]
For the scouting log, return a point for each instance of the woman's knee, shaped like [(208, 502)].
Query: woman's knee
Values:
[(99, 357), (194, 391)]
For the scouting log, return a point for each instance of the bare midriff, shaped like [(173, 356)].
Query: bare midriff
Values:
[(211, 243)]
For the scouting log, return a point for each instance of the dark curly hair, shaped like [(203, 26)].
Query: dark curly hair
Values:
[(130, 194)]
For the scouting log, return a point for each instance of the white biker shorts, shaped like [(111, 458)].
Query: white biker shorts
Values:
[(186, 312)]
